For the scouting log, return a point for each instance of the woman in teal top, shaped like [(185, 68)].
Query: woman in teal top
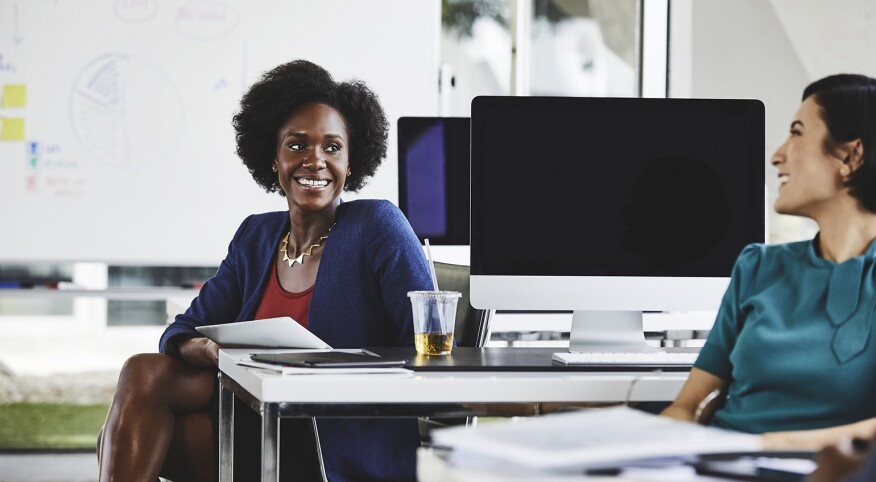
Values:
[(793, 349)]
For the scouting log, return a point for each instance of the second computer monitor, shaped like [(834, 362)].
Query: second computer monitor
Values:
[(433, 175), (611, 207)]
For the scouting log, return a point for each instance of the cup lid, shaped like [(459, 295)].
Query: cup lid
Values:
[(434, 294)]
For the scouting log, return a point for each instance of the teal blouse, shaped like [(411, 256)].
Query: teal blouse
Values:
[(793, 339)]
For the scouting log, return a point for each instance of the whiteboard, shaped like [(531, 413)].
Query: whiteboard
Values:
[(116, 142)]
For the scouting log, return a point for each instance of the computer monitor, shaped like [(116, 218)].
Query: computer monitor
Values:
[(610, 207), (433, 177)]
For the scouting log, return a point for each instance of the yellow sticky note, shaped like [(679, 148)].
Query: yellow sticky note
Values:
[(14, 95), (11, 129)]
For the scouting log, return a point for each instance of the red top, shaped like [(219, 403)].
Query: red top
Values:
[(278, 302)]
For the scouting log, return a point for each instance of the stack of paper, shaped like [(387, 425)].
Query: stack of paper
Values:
[(287, 370), (587, 439)]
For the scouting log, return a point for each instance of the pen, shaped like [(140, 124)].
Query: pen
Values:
[(608, 471), (860, 445)]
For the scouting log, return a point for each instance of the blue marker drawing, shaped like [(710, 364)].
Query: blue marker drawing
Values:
[(6, 66), (110, 95)]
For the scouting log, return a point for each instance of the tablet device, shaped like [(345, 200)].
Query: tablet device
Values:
[(331, 359), (282, 332)]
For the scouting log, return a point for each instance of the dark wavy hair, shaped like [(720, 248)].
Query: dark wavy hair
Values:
[(268, 103), (848, 108)]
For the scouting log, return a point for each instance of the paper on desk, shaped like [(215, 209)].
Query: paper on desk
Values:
[(593, 438), (287, 370)]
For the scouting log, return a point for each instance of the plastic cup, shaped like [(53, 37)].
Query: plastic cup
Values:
[(434, 320)]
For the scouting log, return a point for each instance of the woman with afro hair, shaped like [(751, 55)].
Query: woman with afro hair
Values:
[(341, 269)]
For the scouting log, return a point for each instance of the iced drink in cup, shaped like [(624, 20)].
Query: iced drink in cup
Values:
[(434, 319)]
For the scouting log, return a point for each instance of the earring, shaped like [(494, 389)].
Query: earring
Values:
[(349, 172), (844, 171), (274, 168)]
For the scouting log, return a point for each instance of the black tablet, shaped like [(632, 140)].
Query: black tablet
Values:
[(329, 359)]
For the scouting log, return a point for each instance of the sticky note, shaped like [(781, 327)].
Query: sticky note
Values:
[(14, 95), (11, 129)]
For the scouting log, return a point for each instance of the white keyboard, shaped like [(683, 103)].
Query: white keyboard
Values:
[(613, 358)]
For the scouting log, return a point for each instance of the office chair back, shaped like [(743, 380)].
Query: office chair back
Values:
[(472, 330), (472, 325)]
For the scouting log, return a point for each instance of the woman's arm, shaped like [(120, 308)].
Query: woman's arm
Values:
[(398, 259), (817, 439), (691, 404), (706, 387), (218, 301)]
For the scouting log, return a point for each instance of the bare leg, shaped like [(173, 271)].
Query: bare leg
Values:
[(191, 455), (159, 422)]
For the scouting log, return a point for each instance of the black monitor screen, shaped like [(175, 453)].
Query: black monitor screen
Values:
[(615, 187), (433, 175)]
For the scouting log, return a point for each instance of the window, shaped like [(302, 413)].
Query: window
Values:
[(538, 47)]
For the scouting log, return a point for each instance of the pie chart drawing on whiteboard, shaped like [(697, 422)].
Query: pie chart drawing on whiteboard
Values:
[(126, 112)]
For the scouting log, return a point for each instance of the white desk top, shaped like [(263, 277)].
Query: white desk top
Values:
[(450, 387)]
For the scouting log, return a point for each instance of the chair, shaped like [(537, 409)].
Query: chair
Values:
[(472, 325), (472, 329)]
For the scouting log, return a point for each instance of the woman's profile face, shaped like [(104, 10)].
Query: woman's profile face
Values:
[(312, 157), (808, 175)]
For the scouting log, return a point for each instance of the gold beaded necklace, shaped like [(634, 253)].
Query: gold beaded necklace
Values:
[(307, 252)]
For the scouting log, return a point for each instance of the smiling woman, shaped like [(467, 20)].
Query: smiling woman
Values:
[(312, 161), (792, 348), (808, 162), (267, 107), (344, 274)]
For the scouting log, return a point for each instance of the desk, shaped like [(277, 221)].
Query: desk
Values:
[(426, 394)]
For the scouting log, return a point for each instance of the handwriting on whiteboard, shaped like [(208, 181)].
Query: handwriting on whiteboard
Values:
[(135, 11), (206, 20)]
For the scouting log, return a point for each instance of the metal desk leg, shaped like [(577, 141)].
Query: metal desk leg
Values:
[(270, 442), (226, 433)]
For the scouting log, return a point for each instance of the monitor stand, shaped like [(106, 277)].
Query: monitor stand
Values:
[(608, 331)]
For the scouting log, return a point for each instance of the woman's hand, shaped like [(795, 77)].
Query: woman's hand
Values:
[(199, 352), (837, 462)]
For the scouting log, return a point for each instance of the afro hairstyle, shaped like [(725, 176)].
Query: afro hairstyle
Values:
[(270, 101)]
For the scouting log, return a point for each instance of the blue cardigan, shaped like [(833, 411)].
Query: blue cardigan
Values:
[(369, 262)]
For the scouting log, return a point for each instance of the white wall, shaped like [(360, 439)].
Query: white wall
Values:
[(769, 50), (740, 50)]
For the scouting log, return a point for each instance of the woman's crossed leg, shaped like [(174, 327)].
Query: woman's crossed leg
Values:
[(160, 422)]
